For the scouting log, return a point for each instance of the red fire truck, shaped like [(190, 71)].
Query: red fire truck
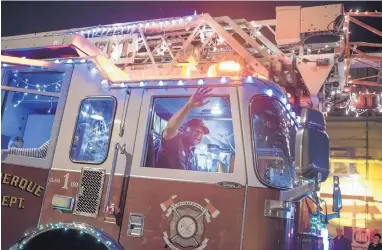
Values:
[(180, 133)]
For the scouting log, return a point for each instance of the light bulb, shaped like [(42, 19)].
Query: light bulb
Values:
[(216, 110), (284, 100)]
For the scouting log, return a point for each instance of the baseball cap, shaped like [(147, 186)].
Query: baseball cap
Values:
[(198, 123)]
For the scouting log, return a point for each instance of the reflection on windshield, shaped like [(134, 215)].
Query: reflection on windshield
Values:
[(193, 133), (274, 133), (92, 134)]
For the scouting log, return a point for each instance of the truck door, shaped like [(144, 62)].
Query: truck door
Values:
[(93, 153), (32, 107), (198, 203)]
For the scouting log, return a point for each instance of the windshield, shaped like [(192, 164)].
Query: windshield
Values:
[(274, 133)]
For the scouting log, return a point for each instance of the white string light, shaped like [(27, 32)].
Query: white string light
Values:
[(37, 86), (22, 99), (27, 84), (51, 105)]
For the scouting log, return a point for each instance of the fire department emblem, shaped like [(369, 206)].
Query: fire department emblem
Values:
[(187, 223)]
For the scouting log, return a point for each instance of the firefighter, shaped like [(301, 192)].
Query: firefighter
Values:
[(177, 149)]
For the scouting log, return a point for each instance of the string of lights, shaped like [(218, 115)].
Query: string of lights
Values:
[(126, 28), (28, 85), (82, 229), (38, 87)]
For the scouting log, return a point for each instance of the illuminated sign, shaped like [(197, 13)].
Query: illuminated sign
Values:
[(360, 237), (22, 184), (121, 49)]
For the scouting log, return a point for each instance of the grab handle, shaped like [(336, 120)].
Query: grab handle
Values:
[(110, 208)]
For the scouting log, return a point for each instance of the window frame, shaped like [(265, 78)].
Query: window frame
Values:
[(145, 123), (252, 129), (44, 163), (110, 132)]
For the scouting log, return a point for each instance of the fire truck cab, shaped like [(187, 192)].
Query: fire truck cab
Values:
[(81, 140)]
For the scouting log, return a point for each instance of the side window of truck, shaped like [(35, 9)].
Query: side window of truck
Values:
[(91, 138), (274, 132), (204, 142), (29, 101)]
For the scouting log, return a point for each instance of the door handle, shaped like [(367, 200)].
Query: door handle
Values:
[(109, 207)]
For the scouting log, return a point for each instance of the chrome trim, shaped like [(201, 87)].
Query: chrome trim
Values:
[(69, 203), (80, 190), (133, 217), (110, 208), (229, 184), (124, 112), (279, 209)]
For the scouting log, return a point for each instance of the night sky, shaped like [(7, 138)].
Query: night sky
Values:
[(31, 17)]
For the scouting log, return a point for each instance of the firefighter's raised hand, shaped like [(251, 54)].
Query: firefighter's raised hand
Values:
[(199, 98)]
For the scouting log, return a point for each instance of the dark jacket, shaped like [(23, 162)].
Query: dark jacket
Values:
[(372, 247), (174, 154), (341, 244)]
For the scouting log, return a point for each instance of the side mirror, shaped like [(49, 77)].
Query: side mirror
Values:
[(312, 146), (337, 196)]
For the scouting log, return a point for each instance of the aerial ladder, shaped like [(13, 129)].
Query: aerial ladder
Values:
[(284, 50), (315, 74)]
